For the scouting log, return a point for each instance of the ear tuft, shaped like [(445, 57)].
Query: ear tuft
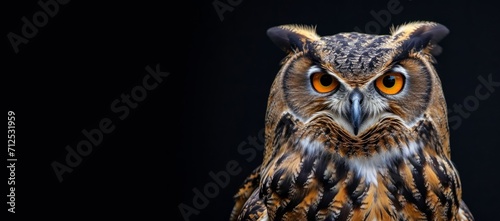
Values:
[(421, 36), (291, 37)]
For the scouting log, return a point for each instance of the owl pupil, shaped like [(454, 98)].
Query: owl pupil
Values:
[(326, 80), (389, 81)]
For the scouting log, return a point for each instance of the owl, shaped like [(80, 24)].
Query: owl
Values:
[(355, 129)]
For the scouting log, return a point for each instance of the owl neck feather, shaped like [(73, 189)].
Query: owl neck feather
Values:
[(367, 155), (392, 177)]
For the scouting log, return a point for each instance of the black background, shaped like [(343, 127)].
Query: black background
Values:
[(65, 78)]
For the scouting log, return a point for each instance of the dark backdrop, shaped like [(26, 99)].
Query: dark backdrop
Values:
[(189, 143)]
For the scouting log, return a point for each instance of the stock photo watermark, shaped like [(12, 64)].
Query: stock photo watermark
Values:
[(32, 24), (11, 161), (382, 18), (220, 179), (121, 108), (459, 112), (221, 7)]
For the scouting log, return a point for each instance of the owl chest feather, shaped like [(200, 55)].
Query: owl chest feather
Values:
[(311, 179)]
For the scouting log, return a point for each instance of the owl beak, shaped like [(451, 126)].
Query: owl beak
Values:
[(356, 98)]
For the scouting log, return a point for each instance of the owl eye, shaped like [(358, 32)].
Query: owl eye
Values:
[(323, 83), (390, 83)]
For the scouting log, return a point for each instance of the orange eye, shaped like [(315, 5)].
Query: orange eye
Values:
[(323, 83), (390, 83)]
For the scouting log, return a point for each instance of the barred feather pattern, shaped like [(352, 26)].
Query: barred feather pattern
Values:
[(314, 176)]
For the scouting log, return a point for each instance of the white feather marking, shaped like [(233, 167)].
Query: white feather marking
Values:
[(264, 218), (313, 69), (369, 167), (462, 215), (311, 147), (366, 167)]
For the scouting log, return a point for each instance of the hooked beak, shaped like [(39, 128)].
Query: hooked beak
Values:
[(356, 98)]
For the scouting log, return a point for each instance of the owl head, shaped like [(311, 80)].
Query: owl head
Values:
[(361, 81)]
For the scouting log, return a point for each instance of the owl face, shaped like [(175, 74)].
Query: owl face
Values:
[(359, 79)]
